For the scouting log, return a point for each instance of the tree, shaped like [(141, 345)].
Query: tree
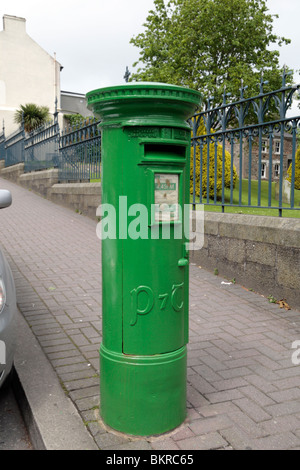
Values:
[(32, 115), (209, 44)]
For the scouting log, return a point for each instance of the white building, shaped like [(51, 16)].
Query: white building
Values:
[(28, 74)]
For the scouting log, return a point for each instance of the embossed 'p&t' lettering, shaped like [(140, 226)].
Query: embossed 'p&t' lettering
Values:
[(176, 304), (143, 301), (135, 302)]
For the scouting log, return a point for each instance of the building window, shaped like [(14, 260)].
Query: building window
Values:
[(276, 170), (263, 170), (277, 146), (264, 147)]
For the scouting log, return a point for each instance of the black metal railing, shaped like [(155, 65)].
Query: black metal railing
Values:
[(76, 152), (80, 152), (244, 154), (14, 147), (41, 148), (2, 144)]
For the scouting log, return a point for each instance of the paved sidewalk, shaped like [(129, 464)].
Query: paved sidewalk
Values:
[(243, 389)]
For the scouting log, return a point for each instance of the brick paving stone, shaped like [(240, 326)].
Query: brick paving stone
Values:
[(200, 384), (62, 355), (252, 410), (81, 383), (264, 372), (192, 414), (85, 392), (287, 408), (256, 395), (108, 441), (228, 384), (208, 441), (79, 340), (195, 398), (267, 362), (281, 424), (60, 349), (207, 373), (241, 362), (183, 432), (234, 373), (47, 343), (165, 444), (217, 409), (215, 423), (283, 441), (227, 395), (134, 445), (237, 439), (288, 383), (68, 360), (68, 377), (288, 372), (74, 367), (286, 395), (87, 403), (248, 425), (243, 390)]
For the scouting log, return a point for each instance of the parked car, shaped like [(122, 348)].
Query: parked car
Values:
[(8, 305)]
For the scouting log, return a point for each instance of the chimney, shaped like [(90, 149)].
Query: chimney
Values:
[(14, 24)]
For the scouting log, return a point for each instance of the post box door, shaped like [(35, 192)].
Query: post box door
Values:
[(155, 282)]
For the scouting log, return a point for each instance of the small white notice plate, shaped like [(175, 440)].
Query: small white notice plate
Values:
[(166, 196)]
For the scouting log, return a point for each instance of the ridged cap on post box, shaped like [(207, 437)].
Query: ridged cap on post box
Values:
[(144, 103)]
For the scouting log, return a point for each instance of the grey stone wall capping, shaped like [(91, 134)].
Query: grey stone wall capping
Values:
[(76, 188), (44, 174), (272, 230)]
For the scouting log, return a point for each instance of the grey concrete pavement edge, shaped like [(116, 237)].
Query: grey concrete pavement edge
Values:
[(53, 421)]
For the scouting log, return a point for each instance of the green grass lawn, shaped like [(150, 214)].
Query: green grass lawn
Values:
[(95, 180), (254, 201)]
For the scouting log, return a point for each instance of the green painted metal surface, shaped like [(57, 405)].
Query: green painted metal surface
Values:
[(145, 154)]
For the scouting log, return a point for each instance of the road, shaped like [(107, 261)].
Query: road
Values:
[(13, 433)]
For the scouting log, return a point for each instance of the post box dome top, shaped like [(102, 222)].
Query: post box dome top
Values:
[(144, 102)]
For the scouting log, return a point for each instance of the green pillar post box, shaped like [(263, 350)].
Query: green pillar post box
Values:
[(145, 182)]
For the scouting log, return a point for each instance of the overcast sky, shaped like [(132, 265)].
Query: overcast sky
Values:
[(91, 37)]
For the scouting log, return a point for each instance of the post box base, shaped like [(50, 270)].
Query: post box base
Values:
[(143, 395)]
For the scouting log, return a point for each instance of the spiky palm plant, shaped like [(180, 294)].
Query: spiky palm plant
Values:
[(33, 116)]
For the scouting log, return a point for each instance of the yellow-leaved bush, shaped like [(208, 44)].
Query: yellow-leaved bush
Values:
[(202, 131), (297, 170)]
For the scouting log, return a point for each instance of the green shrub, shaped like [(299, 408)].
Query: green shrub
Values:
[(77, 120), (297, 170), (202, 131)]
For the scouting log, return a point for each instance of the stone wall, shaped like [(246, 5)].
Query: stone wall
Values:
[(80, 197), (40, 182), (13, 173), (261, 253)]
